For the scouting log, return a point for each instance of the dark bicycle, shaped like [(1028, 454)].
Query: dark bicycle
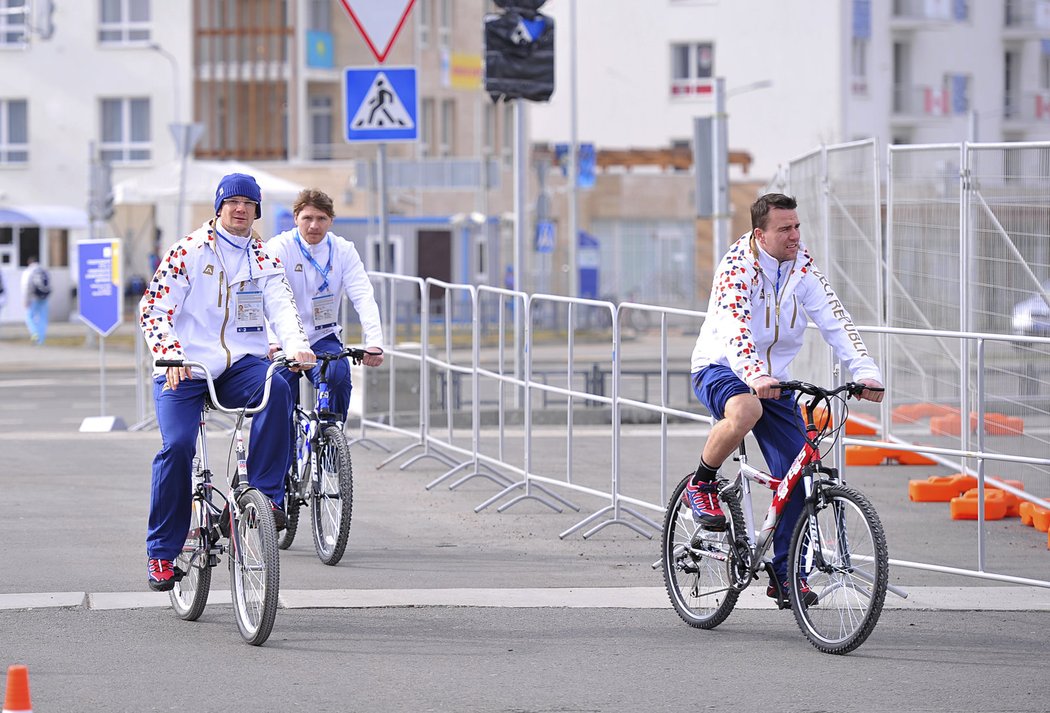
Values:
[(321, 475)]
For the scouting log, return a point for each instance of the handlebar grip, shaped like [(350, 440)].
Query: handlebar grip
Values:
[(168, 362)]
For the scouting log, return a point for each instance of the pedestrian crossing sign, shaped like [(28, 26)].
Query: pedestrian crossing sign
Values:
[(382, 104)]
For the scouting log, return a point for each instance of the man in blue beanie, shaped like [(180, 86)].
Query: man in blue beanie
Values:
[(209, 301)]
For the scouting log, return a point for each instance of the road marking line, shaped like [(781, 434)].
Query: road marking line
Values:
[(919, 598)]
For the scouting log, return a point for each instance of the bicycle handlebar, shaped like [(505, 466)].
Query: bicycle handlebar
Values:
[(356, 355), (852, 388), (178, 363)]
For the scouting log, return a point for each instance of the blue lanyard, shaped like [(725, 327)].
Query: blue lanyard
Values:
[(323, 270), (776, 287), (235, 246)]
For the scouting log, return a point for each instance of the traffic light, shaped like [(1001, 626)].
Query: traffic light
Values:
[(519, 52)]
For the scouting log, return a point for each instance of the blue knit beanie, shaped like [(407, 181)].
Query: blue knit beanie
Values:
[(238, 184)]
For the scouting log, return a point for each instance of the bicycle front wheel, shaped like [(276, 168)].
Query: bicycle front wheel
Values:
[(844, 560), (697, 563), (255, 568), (333, 496), (190, 594)]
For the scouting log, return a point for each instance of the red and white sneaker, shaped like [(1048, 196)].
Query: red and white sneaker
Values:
[(702, 498), (160, 575), (809, 597)]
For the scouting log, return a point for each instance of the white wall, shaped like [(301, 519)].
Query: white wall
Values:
[(624, 69)]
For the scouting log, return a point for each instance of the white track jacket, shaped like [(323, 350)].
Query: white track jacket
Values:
[(187, 311), (347, 276), (757, 331)]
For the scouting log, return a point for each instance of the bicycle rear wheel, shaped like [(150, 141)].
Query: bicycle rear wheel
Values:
[(697, 563), (333, 496), (254, 568), (848, 575), (190, 593)]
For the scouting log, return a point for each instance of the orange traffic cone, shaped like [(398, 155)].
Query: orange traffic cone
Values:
[(16, 699)]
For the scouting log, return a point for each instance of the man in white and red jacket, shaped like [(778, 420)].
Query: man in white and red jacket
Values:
[(210, 301), (765, 291)]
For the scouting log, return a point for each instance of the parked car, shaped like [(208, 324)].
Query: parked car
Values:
[(1031, 317)]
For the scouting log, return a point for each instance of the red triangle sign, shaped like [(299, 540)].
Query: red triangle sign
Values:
[(379, 21)]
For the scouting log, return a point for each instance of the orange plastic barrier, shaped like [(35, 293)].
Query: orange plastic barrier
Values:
[(912, 458), (964, 507), (1013, 503), (1025, 510), (866, 455), (995, 424), (910, 413), (856, 428), (940, 488), (1040, 518)]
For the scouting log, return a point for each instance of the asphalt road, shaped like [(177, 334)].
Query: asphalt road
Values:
[(436, 607)]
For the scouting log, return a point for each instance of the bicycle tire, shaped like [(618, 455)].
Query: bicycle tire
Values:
[(700, 587), (332, 501), (291, 509), (254, 568), (189, 596), (851, 584), (291, 488)]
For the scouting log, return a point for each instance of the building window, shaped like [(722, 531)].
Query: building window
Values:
[(320, 14), (859, 65), (445, 26), (14, 131), (123, 22), (426, 128), (692, 68), (125, 130), (424, 22), (13, 23), (321, 123), (448, 127)]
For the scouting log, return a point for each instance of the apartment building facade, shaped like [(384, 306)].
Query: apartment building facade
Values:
[(133, 82)]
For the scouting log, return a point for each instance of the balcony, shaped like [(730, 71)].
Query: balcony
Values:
[(913, 103), (926, 14), (1025, 108), (1026, 18)]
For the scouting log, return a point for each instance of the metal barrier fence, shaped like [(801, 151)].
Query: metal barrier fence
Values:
[(496, 363)]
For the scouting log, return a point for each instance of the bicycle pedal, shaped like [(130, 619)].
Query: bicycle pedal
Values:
[(177, 574)]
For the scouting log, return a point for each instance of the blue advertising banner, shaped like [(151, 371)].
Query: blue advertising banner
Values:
[(100, 298)]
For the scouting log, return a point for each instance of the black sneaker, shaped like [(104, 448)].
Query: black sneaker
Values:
[(280, 519), (224, 521), (809, 597)]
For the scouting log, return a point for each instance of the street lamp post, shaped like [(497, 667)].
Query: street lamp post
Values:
[(185, 134)]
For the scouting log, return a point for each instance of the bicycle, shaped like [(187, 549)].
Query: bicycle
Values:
[(321, 474), (252, 537), (838, 546)]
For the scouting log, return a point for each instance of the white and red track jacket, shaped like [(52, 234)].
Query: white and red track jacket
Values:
[(757, 330), (187, 311)]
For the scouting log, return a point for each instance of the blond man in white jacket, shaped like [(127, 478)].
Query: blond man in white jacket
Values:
[(765, 291), (210, 301)]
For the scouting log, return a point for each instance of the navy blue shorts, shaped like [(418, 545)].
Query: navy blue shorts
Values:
[(780, 430)]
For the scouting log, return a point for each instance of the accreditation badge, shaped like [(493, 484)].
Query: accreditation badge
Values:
[(325, 310), (248, 314)]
